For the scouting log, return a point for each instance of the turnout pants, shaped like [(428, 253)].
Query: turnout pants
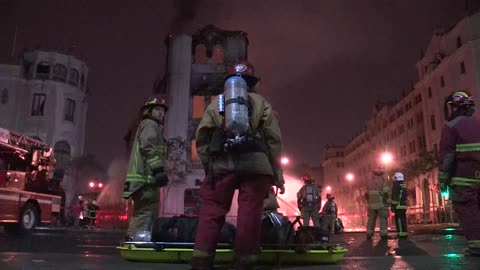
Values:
[(382, 215), (310, 213), (216, 202), (401, 222), (466, 202), (145, 209), (328, 223)]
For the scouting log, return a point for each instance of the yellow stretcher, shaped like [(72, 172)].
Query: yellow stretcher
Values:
[(150, 252)]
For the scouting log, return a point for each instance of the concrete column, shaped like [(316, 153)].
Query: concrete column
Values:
[(180, 62)]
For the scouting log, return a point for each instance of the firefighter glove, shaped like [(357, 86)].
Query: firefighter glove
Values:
[(160, 177)]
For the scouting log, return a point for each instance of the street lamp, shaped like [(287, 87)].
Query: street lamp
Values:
[(349, 177), (329, 188), (100, 185), (92, 184), (386, 158), (284, 160)]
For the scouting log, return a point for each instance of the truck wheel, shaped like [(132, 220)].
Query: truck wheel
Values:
[(28, 218)]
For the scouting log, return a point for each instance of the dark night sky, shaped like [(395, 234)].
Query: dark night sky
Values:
[(323, 63)]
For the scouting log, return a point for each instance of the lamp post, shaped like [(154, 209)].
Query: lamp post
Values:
[(349, 177), (386, 158)]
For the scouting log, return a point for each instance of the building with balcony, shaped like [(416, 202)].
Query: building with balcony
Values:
[(411, 126), (45, 97)]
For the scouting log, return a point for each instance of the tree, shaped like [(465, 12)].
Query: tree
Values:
[(422, 166)]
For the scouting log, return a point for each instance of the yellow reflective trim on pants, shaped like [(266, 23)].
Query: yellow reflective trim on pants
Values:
[(401, 207), (468, 147), (463, 181), (402, 234)]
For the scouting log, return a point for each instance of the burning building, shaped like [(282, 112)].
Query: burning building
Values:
[(195, 69)]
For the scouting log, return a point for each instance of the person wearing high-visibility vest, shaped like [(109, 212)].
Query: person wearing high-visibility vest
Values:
[(460, 164), (146, 171), (399, 203)]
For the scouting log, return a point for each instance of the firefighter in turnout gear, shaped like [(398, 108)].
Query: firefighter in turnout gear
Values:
[(239, 144), (146, 171), (399, 203), (308, 201), (460, 165), (377, 197), (329, 213)]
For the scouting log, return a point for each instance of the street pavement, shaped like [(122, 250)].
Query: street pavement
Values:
[(81, 250)]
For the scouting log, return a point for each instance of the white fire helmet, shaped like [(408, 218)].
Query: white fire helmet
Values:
[(398, 176)]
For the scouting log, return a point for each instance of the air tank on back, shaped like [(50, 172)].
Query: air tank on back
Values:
[(236, 105)]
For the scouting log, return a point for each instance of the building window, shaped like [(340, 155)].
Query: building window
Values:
[(218, 54), (38, 104), (82, 82), (419, 117), (61, 152), (200, 54), (442, 81), (194, 154), (462, 68), (59, 73), (73, 77), (198, 106), (459, 42), (4, 97), (70, 109), (429, 92), (432, 121), (43, 71), (412, 147)]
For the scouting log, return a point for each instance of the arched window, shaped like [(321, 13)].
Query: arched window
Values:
[(60, 73), (4, 97), (61, 152), (43, 71), (73, 77), (218, 54), (82, 82), (200, 54)]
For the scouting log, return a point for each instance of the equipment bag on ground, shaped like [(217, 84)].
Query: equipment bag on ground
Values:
[(277, 230), (184, 229)]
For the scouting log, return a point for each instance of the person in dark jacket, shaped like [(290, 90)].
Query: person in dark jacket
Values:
[(399, 203), (460, 164)]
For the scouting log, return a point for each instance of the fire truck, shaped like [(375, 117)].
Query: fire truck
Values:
[(26, 199)]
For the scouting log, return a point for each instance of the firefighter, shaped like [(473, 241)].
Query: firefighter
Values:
[(92, 214), (377, 197), (329, 213), (146, 171), (399, 203), (460, 165), (308, 201), (249, 162)]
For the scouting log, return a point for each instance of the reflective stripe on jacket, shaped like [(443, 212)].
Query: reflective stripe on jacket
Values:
[(148, 154), (460, 152)]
